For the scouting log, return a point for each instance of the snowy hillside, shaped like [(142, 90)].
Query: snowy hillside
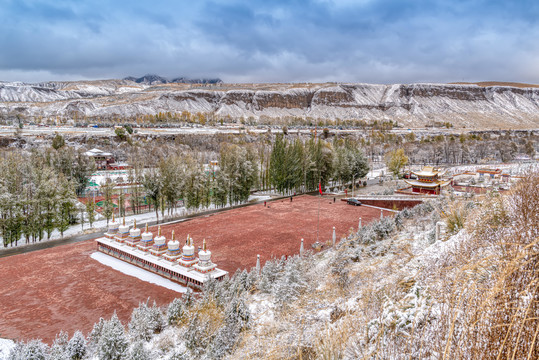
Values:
[(463, 105), (395, 289)]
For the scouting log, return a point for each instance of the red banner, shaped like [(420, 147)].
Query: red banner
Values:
[(320, 188)]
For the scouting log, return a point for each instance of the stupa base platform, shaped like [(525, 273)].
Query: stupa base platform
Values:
[(147, 261)]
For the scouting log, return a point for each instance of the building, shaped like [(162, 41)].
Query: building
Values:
[(159, 257), (428, 181), (102, 159)]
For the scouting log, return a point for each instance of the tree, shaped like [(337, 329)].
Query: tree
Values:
[(108, 206), (145, 321), (76, 348), (90, 210), (529, 148), (58, 142), (32, 350), (121, 133), (153, 186), (175, 311), (396, 160), (112, 343)]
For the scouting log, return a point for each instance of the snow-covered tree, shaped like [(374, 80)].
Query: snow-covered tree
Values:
[(32, 350), (145, 321), (269, 274), (113, 342), (175, 311), (76, 348), (58, 350), (291, 283), (196, 338)]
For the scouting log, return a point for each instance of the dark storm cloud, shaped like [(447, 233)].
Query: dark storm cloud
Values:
[(341, 40)]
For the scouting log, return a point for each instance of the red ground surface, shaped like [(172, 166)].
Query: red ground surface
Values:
[(62, 288), (236, 237)]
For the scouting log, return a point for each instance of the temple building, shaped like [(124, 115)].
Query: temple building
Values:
[(156, 255), (428, 181)]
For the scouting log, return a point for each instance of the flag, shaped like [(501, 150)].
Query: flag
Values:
[(320, 188)]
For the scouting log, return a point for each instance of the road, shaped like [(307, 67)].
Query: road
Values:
[(210, 130)]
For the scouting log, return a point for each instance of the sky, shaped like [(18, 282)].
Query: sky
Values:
[(366, 41)]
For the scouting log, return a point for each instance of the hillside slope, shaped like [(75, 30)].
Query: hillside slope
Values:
[(463, 105)]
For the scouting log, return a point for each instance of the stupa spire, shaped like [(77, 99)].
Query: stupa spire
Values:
[(123, 222), (135, 224), (146, 227), (172, 235), (204, 245), (159, 231)]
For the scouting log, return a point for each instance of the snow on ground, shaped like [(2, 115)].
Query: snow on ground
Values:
[(137, 272), (260, 197), (511, 168), (5, 348)]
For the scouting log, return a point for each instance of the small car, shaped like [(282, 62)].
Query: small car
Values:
[(353, 201)]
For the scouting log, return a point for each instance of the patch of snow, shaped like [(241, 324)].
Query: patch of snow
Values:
[(5, 348), (261, 308), (137, 272)]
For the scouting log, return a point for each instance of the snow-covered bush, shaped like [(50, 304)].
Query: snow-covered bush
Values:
[(32, 350), (340, 268), (145, 321), (138, 352), (384, 227)]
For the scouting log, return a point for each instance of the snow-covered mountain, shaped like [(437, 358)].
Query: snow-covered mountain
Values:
[(463, 105)]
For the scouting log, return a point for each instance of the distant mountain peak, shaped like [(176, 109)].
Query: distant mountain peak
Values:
[(152, 79)]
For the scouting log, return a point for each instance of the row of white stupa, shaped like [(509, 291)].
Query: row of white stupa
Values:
[(159, 247)]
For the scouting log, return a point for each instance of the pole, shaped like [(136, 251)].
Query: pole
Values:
[(319, 199), (353, 184)]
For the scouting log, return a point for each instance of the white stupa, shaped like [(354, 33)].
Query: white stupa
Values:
[(159, 244), (188, 258), (204, 264), (146, 240), (112, 228), (134, 235), (173, 251), (123, 231)]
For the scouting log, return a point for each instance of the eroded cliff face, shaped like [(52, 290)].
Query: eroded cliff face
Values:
[(469, 106)]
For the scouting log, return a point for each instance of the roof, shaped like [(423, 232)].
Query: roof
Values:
[(427, 171), (427, 184), (97, 152)]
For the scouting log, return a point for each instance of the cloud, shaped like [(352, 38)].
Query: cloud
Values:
[(259, 41)]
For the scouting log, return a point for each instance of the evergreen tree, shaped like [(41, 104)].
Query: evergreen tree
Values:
[(58, 350), (76, 348), (113, 342), (32, 350), (145, 321), (175, 311)]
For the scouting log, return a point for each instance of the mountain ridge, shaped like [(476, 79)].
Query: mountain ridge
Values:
[(412, 105)]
